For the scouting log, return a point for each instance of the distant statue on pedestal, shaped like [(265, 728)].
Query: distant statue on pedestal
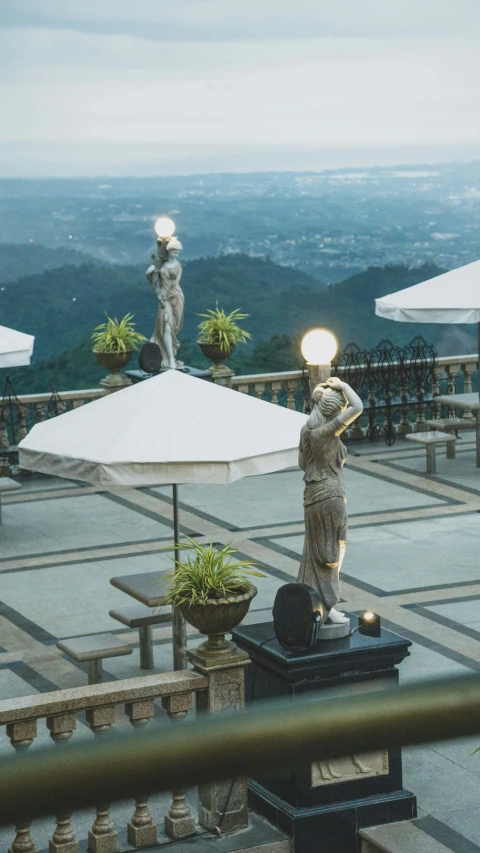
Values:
[(322, 456), (164, 275)]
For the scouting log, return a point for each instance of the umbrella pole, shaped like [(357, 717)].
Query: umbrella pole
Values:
[(178, 622)]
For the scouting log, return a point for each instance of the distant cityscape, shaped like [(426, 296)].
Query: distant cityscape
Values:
[(330, 224)]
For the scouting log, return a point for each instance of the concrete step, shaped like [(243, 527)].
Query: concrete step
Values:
[(402, 837)]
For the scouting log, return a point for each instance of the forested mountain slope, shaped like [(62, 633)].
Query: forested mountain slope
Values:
[(61, 307)]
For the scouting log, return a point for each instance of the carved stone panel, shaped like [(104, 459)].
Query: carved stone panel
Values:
[(350, 768)]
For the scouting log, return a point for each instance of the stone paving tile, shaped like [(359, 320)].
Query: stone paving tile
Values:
[(464, 612), (439, 783), (276, 498), (464, 821), (75, 599), (76, 522), (431, 558)]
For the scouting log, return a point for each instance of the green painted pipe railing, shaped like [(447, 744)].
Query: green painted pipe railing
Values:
[(243, 743)]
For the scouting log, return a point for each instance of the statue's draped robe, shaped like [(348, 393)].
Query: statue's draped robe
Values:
[(322, 456), (167, 283)]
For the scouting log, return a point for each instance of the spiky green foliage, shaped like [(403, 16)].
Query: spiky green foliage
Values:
[(114, 336), (222, 329), (208, 573)]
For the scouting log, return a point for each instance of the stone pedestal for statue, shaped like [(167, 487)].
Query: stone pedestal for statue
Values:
[(322, 805)]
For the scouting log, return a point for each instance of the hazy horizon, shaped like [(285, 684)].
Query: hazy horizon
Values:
[(261, 162)]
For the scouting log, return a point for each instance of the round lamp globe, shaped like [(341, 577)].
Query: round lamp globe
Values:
[(164, 227), (319, 346)]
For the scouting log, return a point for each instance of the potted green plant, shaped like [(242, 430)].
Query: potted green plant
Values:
[(114, 342), (212, 591), (219, 333)]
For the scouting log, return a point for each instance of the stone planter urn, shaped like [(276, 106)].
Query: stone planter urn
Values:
[(114, 361), (216, 617), (218, 355)]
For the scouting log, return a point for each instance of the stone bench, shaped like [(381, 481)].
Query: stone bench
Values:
[(430, 441), (451, 425), (142, 617), (7, 485), (94, 649)]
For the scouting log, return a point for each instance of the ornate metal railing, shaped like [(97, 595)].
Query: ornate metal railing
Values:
[(397, 386), (398, 393)]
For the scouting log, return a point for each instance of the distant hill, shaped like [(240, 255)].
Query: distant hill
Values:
[(18, 260), (62, 306)]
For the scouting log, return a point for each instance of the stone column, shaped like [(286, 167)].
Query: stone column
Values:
[(222, 375), (222, 805)]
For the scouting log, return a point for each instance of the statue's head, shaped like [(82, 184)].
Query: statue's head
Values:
[(174, 247), (328, 401)]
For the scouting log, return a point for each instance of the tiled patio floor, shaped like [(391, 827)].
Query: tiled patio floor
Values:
[(412, 556)]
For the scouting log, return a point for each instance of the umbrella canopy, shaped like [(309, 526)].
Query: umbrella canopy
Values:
[(453, 297), (172, 428), (16, 348)]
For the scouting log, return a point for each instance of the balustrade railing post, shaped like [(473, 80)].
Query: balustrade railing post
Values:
[(276, 388), (421, 420), (467, 370), (259, 389), (101, 719), (141, 830), (63, 839), (23, 842), (222, 805), (437, 374), (61, 727), (291, 385), (103, 837), (22, 734), (404, 426), (451, 371), (179, 822)]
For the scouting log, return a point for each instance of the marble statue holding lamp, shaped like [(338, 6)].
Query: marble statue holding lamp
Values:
[(164, 275), (322, 457)]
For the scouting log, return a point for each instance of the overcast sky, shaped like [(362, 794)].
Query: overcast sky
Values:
[(152, 86)]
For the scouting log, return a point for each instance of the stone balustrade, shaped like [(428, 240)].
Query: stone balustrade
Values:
[(407, 412), (100, 704), (452, 374)]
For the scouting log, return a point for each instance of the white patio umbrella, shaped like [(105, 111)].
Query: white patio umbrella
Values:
[(16, 348), (453, 297), (172, 428)]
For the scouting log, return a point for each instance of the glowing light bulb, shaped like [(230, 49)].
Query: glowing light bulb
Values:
[(165, 227), (319, 346), (368, 616)]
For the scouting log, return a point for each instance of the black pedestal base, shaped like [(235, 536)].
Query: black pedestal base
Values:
[(322, 805), (333, 828)]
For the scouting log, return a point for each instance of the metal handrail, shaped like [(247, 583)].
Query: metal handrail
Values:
[(260, 739)]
